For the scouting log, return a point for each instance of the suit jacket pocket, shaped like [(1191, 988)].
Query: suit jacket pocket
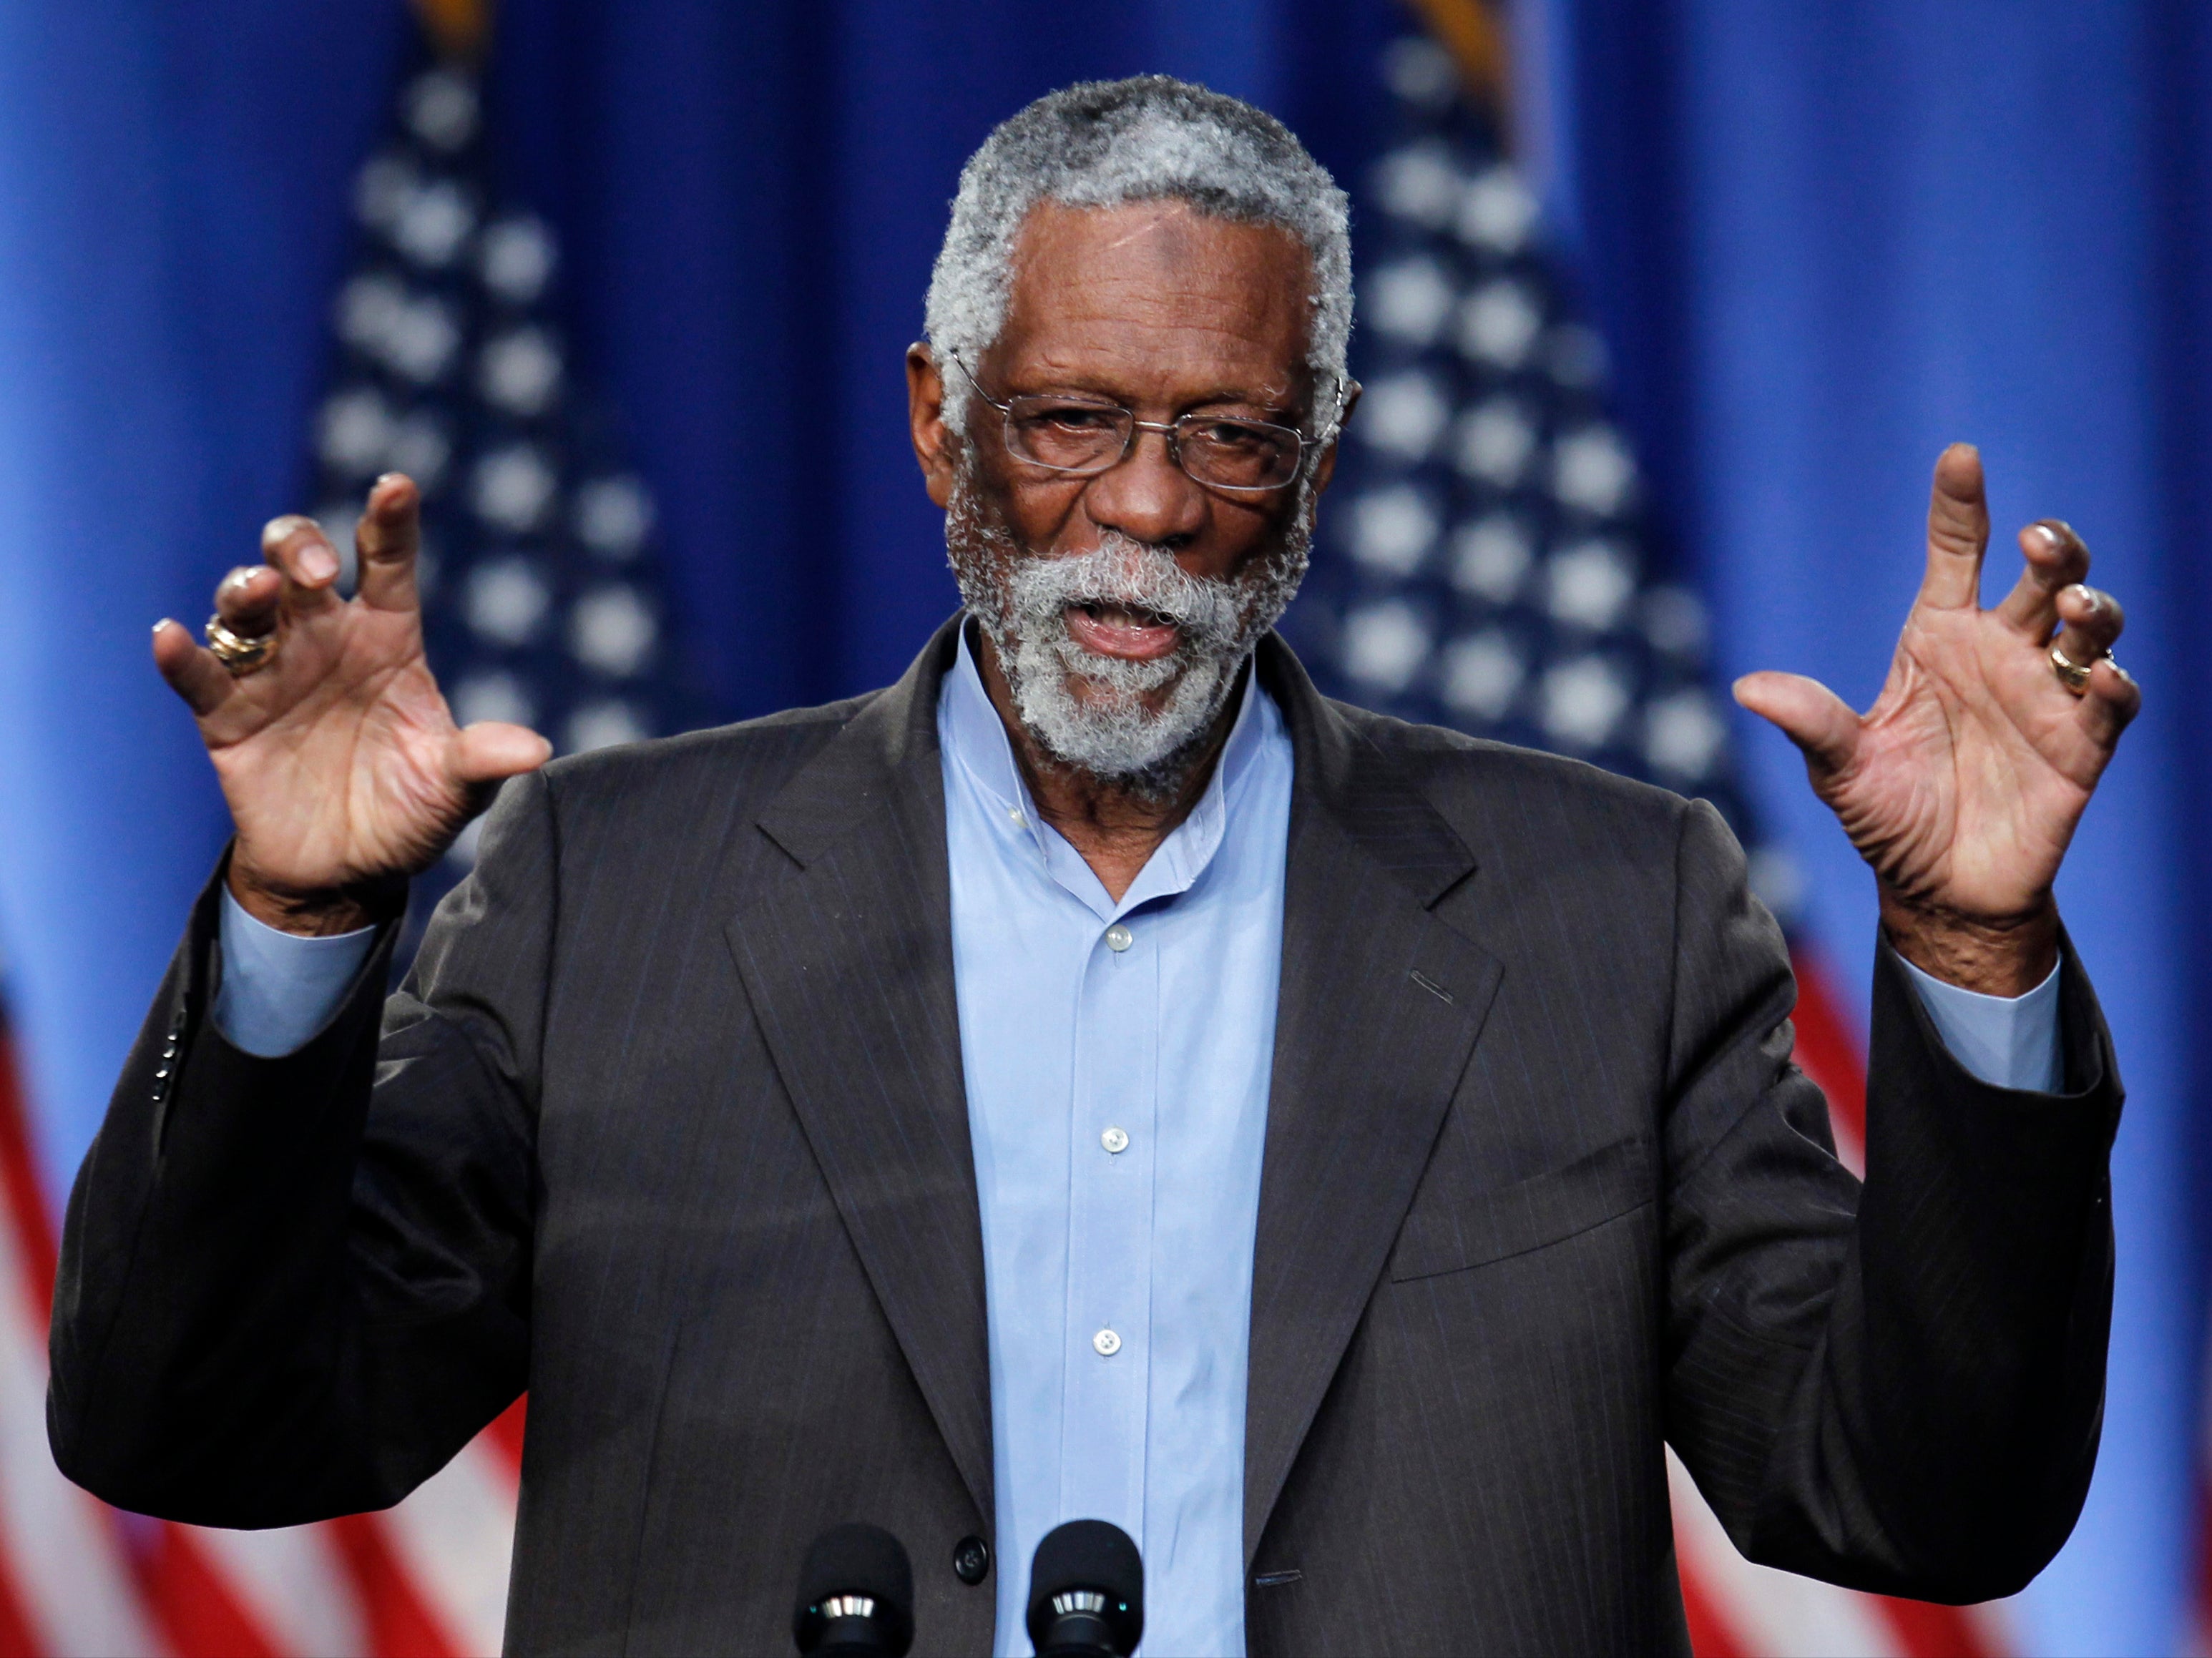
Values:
[(1444, 1237)]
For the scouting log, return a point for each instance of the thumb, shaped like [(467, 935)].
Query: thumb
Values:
[(1809, 715), (491, 749)]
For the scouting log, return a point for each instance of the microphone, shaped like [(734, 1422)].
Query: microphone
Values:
[(1086, 1592), (855, 1596)]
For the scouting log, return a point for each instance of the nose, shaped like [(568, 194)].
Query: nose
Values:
[(1147, 496)]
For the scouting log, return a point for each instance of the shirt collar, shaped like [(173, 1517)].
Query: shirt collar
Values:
[(977, 738)]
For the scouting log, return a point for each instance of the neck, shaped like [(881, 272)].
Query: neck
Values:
[(1114, 827)]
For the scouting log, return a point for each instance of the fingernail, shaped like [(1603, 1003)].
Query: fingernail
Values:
[(318, 563), (243, 575), (2051, 537), (166, 621)]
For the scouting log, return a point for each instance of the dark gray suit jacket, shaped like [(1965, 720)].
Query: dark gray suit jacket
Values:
[(667, 1126)]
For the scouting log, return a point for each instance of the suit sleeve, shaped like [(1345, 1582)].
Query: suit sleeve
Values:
[(292, 1288), (1899, 1389)]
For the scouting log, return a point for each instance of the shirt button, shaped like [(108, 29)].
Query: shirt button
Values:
[(1014, 816), (1118, 938), (1107, 1342), (1114, 1140), (971, 1560)]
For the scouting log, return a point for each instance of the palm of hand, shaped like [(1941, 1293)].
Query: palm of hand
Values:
[(338, 762), (1969, 774), (339, 759), (1963, 784)]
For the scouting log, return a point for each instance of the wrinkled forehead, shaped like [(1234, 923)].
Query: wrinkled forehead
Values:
[(1159, 291)]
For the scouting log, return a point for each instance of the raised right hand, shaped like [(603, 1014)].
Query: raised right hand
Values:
[(341, 762)]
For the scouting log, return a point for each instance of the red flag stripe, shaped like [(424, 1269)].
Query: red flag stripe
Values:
[(401, 1624)]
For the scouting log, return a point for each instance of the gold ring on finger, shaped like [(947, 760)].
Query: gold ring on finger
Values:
[(2075, 676), (241, 653)]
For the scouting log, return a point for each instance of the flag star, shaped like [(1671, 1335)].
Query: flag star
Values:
[(602, 725), (1583, 699), (1385, 645), (355, 432), (613, 516), (1419, 182), (611, 629), (1403, 414), (1481, 675), (515, 257), (1393, 528), (1589, 583), (442, 108), (514, 486), (1592, 469), (1495, 441), (492, 693), (1674, 621), (520, 371), (1499, 323), (1495, 211), (1409, 300), (1683, 735), (1491, 557), (433, 222), (508, 601)]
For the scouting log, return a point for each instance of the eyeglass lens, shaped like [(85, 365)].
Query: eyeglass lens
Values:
[(1082, 437)]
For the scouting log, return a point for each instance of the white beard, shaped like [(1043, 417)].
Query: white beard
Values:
[(1021, 599)]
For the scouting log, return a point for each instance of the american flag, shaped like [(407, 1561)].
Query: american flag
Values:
[(543, 603), (1485, 564)]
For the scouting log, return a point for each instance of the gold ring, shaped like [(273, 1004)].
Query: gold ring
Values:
[(2075, 676), (239, 652)]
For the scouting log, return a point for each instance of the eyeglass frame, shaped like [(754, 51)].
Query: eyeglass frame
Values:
[(1167, 430)]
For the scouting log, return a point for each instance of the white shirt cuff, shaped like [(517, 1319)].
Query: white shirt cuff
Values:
[(2006, 1041), (279, 989)]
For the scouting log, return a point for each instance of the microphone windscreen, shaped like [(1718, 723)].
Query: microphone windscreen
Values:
[(1090, 1554), (864, 1560)]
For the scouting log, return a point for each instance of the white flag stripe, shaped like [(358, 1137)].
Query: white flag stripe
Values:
[(455, 1536), (63, 1552), (1774, 1613), (293, 1586)]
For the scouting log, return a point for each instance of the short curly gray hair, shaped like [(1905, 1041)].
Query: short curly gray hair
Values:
[(1099, 143)]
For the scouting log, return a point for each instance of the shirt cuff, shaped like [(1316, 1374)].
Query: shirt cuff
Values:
[(2006, 1041), (278, 989)]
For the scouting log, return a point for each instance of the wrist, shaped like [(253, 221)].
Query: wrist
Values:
[(1994, 956), (315, 912)]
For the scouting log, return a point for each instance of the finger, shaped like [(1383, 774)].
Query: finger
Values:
[(387, 541), (1958, 531), (1821, 723), (245, 600), (192, 673), (302, 554), (2109, 701), (491, 749), (2092, 621), (2057, 558)]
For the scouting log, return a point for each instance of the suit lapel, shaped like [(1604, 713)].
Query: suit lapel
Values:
[(1380, 1006), (848, 958)]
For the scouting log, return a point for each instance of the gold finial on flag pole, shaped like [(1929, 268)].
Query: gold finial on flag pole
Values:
[(1470, 31), (458, 27)]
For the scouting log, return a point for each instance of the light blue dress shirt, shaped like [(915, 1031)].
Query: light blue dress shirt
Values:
[(1117, 1058)]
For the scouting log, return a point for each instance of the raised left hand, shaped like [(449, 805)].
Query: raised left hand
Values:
[(1963, 783)]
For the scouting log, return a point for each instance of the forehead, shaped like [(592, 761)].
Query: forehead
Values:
[(1155, 300)]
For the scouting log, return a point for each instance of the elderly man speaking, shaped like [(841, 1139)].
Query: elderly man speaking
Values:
[(1098, 1077)]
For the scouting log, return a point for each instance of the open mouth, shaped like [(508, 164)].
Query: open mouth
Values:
[(1128, 631)]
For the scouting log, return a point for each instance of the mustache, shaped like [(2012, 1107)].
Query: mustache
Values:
[(1132, 575)]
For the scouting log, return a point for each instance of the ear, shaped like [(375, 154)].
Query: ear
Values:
[(936, 446), (1325, 468)]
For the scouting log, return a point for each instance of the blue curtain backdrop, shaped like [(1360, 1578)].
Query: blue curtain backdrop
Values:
[(1822, 240), (1825, 241)]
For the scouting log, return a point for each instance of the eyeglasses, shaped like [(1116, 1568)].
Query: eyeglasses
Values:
[(1084, 437)]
